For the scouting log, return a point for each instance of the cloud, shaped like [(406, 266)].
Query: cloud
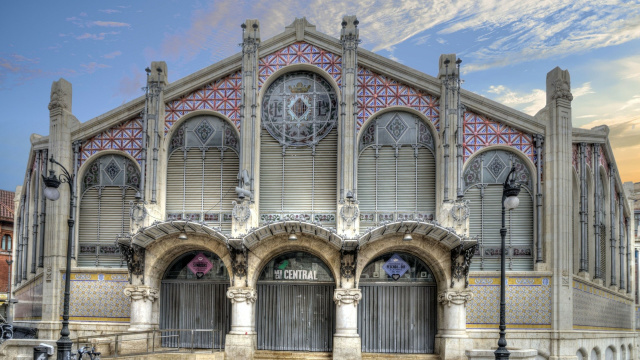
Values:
[(110, 24), (99, 36), (529, 102), (112, 55), (130, 86), (110, 11), (633, 102), (91, 67)]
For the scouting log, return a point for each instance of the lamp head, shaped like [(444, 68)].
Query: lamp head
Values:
[(51, 184), (183, 235), (292, 235), (407, 236)]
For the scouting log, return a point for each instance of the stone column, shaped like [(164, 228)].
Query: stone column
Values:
[(241, 341), (142, 298), (346, 341), (452, 339)]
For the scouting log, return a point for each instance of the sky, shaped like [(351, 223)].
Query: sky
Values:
[(507, 48)]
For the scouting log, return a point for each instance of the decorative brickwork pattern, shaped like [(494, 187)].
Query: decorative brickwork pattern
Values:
[(590, 156), (603, 159), (98, 297), (528, 302), (598, 309), (29, 305), (376, 92), (223, 95), (126, 137), (575, 158), (300, 53), (480, 132)]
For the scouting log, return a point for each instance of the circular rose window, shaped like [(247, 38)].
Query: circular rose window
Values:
[(299, 109)]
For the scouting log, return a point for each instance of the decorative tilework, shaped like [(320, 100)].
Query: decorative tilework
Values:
[(98, 297), (223, 95), (126, 137), (598, 309), (528, 302), (376, 92), (29, 306), (480, 132), (300, 53)]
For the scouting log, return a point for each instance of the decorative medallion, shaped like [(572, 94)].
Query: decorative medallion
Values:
[(112, 170), (299, 109), (496, 166), (397, 127), (204, 131)]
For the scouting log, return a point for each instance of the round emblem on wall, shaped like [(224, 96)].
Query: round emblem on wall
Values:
[(299, 109)]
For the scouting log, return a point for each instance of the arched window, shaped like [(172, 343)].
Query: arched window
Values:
[(396, 170), (108, 186), (6, 242), (202, 171), (484, 177), (299, 150)]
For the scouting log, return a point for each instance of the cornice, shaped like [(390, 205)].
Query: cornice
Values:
[(589, 136)]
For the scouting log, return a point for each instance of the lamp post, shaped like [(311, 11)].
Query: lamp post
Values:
[(510, 201), (51, 192), (9, 315)]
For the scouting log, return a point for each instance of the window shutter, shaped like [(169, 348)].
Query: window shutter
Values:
[(270, 174), (88, 223), (175, 183), (367, 187)]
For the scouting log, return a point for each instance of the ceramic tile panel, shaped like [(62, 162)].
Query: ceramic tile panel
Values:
[(29, 306), (528, 302), (300, 53), (481, 132), (223, 95), (125, 137), (98, 297), (598, 309), (376, 92)]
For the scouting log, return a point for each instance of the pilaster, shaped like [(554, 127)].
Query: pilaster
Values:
[(346, 341), (61, 123), (558, 184), (452, 339), (156, 156), (246, 211), (142, 298), (348, 219), (241, 341)]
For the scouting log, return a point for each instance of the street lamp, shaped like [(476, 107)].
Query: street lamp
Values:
[(510, 201), (9, 301), (51, 192)]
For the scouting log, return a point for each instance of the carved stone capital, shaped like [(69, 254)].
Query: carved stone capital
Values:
[(347, 296), (141, 292), (242, 294), (455, 297)]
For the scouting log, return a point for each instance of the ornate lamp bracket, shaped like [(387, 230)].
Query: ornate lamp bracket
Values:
[(134, 256), (460, 262), (239, 260)]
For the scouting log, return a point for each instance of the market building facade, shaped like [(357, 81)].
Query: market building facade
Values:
[(306, 194)]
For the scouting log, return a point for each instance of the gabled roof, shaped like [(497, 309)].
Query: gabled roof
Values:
[(6, 204)]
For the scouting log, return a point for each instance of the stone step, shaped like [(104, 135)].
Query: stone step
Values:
[(291, 355), (174, 356), (378, 356)]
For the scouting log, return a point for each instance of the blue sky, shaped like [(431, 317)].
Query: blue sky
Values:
[(507, 48)]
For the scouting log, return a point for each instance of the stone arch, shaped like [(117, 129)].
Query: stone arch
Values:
[(595, 354), (412, 111), (299, 67), (268, 249), (436, 255), (85, 165), (581, 354), (161, 253), (176, 125), (522, 156)]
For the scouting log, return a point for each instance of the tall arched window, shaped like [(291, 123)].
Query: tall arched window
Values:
[(396, 170), (484, 177), (299, 150), (109, 185), (202, 171)]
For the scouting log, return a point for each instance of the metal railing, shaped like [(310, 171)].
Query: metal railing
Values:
[(156, 342)]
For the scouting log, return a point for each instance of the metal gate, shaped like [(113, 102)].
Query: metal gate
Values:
[(195, 304), (397, 313), (295, 316)]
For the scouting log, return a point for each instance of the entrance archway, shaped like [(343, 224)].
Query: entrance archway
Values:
[(193, 296), (294, 309), (397, 313)]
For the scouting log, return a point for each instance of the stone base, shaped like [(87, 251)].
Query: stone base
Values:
[(240, 347), (347, 348), (528, 354), (453, 348)]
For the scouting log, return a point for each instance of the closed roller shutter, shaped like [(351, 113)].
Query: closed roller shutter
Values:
[(386, 179), (367, 185), (193, 183), (175, 182), (270, 174), (407, 180), (426, 171), (475, 224), (298, 179), (520, 233), (88, 223), (326, 167)]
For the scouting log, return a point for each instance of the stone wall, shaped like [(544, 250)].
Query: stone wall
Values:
[(29, 306)]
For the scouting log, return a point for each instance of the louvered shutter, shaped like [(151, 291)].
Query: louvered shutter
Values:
[(520, 233), (325, 170), (88, 222), (475, 224), (298, 179), (407, 180), (193, 184), (367, 186), (270, 174), (230, 170), (426, 171), (386, 173), (175, 183)]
